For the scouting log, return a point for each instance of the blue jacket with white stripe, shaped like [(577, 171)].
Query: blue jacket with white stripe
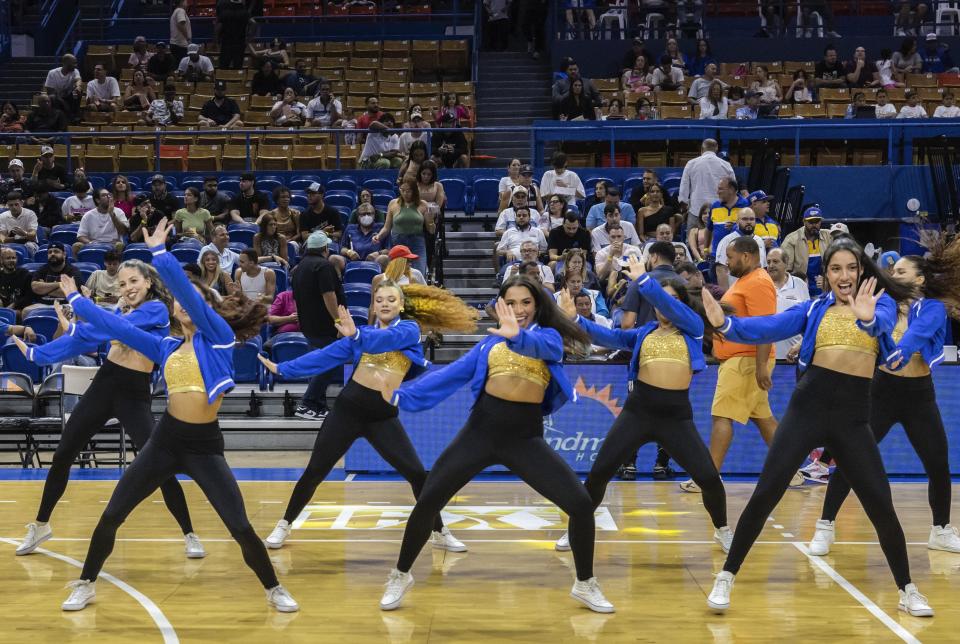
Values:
[(926, 333)]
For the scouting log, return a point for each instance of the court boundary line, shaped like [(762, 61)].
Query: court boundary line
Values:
[(166, 628), (855, 592)]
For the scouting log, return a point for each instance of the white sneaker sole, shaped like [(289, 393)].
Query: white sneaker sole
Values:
[(273, 546), (690, 489), (560, 548), (394, 605), (933, 546), (284, 609), (75, 607), (36, 544), (817, 552), (592, 606), (448, 548), (718, 608), (196, 555), (916, 613)]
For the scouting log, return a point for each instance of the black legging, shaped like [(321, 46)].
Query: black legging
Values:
[(912, 402), (195, 450), (359, 412), (511, 434), (832, 409), (116, 392), (665, 416)]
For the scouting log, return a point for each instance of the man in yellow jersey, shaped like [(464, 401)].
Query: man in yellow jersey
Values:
[(804, 247), (723, 213), (767, 227), (743, 379)]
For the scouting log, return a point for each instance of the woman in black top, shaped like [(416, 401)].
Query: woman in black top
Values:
[(266, 82), (576, 104), (654, 212)]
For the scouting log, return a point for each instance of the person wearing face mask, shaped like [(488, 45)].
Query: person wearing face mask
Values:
[(358, 242), (121, 389), (383, 355), (746, 225)]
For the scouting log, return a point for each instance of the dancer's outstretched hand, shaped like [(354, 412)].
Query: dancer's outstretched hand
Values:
[(344, 322), (635, 268), (712, 308), (268, 363), (20, 345), (864, 305), (159, 235), (567, 305), (68, 285), (509, 327), (61, 315)]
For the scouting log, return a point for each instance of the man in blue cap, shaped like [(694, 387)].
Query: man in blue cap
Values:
[(766, 228), (803, 249)]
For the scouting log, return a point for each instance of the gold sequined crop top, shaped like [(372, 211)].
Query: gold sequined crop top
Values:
[(900, 329), (182, 373), (391, 361), (504, 362), (664, 347), (839, 329)]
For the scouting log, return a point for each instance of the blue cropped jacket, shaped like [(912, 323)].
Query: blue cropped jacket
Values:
[(534, 342), (213, 341), (926, 333), (400, 335)]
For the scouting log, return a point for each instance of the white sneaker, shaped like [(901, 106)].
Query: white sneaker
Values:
[(690, 486), (913, 603), (278, 536), (823, 538), (563, 543), (816, 472), (398, 583), (193, 546), (723, 536), (280, 598), (82, 594), (36, 534), (719, 597), (444, 540), (797, 480), (589, 594), (944, 538)]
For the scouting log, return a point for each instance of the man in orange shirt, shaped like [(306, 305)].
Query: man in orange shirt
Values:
[(743, 379)]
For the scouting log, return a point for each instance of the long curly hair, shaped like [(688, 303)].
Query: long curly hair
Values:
[(548, 314), (396, 269), (245, 316), (940, 269), (434, 309)]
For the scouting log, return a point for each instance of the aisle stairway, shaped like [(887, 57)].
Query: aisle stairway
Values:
[(21, 78)]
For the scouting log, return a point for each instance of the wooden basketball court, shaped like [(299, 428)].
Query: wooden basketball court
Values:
[(655, 561)]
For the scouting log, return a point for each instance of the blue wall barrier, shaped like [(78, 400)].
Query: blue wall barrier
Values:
[(578, 430)]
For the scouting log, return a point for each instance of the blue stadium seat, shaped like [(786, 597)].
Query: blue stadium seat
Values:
[(336, 198), (360, 273), (188, 254), (142, 254), (194, 181), (41, 235), (588, 184), (486, 195), (33, 267), (671, 182), (456, 191), (302, 182), (85, 269), (92, 255), (229, 183), (246, 366), (97, 182), (243, 236), (8, 316), (629, 184), (346, 184), (269, 183), (15, 361), (360, 315), (189, 242), (44, 322), (281, 274), (286, 346), (344, 214), (242, 226), (382, 199), (357, 294), (379, 184), (299, 202), (237, 247), (292, 256), (40, 257), (64, 235), (23, 255)]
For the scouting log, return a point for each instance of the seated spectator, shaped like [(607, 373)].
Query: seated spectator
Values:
[(561, 181), (689, 272), (103, 284), (161, 65), (399, 270), (381, 150), (600, 235), (637, 48), (947, 110), (140, 56), (11, 121), (47, 208), (767, 227), (554, 216), (357, 243), (913, 109), (420, 130), (746, 227), (596, 217), (270, 245), (275, 52), (138, 95), (636, 79), (15, 291), (431, 190), (220, 111), (524, 177), (598, 196), (257, 282), (46, 279), (885, 70), (320, 216), (372, 114), (103, 92), (906, 60), (936, 56), (614, 111), (655, 213), (301, 82), (288, 111), (666, 77), (529, 252), (325, 110), (584, 304), (575, 261), (46, 118), (163, 202), (767, 87), (829, 71), (410, 167), (195, 67), (663, 233), (885, 109), (509, 246), (645, 110), (17, 181), (449, 149), (563, 87), (566, 237), (213, 275), (751, 109), (801, 90), (283, 314), (697, 64), (248, 203), (366, 198), (859, 100), (48, 172), (910, 16), (122, 196), (613, 258), (507, 218), (64, 87), (677, 59), (452, 105), (165, 111), (573, 283), (78, 203), (220, 245), (286, 217), (18, 225), (144, 218), (575, 106), (105, 224), (700, 87), (214, 201), (714, 105), (192, 220), (862, 72)]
